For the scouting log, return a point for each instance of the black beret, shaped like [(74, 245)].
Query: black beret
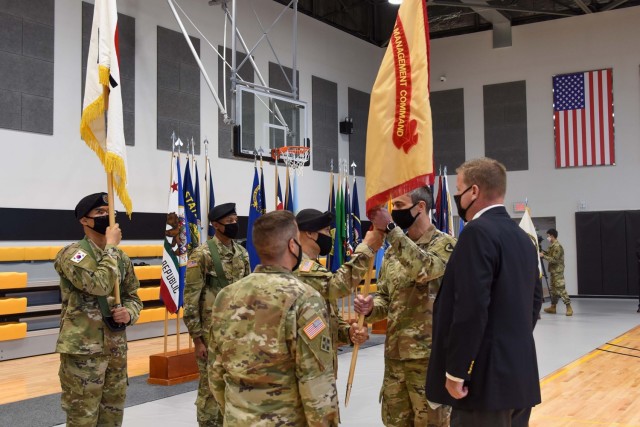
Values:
[(92, 201), (313, 220), (220, 211)]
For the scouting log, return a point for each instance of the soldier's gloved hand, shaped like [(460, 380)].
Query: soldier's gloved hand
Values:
[(113, 234), (200, 348), (358, 335), (374, 239), (363, 305), (121, 315)]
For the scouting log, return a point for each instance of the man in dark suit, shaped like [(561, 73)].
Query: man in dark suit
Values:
[(483, 358)]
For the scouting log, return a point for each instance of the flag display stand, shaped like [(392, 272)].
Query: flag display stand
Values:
[(173, 367)]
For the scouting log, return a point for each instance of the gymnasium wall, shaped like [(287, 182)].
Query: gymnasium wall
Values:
[(53, 171)]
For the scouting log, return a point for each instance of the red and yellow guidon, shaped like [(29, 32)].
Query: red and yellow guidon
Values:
[(405, 134)]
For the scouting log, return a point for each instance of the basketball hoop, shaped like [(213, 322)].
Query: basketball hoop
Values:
[(293, 156)]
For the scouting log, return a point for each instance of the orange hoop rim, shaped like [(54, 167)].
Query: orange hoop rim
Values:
[(289, 151)]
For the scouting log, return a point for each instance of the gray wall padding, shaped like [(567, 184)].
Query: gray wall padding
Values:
[(359, 112), (324, 95), (225, 136), (447, 111), (26, 65), (178, 89), (505, 124)]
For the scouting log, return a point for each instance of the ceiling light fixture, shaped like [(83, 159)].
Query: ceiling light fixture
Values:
[(395, 1)]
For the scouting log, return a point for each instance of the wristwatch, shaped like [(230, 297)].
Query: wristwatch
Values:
[(391, 226)]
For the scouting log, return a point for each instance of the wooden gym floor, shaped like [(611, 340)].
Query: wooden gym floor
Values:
[(598, 387)]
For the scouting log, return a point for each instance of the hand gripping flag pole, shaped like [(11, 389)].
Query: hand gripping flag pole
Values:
[(356, 347)]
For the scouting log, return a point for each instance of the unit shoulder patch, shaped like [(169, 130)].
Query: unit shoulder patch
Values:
[(78, 256), (326, 344), (314, 327), (448, 247)]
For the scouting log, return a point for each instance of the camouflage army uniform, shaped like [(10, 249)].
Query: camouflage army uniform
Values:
[(332, 286), (270, 353), (409, 282), (555, 256), (200, 292), (93, 359)]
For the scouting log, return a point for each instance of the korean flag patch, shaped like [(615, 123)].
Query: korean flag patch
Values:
[(78, 256)]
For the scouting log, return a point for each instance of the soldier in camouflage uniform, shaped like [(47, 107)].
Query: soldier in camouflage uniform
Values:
[(202, 285), (409, 281), (270, 352), (93, 358), (555, 256), (315, 238)]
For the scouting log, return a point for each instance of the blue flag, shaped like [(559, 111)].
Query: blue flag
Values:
[(263, 199), (212, 203), (190, 212), (280, 202), (255, 204), (288, 198), (356, 227)]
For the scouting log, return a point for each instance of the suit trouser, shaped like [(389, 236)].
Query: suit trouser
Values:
[(506, 418), (93, 388)]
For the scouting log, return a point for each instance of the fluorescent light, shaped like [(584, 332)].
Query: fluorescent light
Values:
[(395, 1)]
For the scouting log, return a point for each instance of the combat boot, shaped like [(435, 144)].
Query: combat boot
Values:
[(569, 310), (551, 309)]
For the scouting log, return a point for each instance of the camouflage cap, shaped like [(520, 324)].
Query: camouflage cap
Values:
[(313, 220), (90, 202), (220, 211)]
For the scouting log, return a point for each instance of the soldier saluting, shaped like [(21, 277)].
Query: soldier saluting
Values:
[(93, 357)]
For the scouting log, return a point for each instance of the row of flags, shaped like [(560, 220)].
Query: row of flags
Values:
[(346, 228), (258, 205), (184, 227), (442, 209)]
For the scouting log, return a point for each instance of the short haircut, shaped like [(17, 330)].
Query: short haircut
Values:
[(422, 194), (272, 232), (553, 232), (488, 174)]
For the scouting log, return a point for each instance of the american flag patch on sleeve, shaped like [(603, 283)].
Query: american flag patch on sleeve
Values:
[(314, 327)]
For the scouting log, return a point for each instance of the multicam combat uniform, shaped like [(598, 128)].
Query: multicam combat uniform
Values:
[(200, 292), (270, 353), (409, 282), (332, 286), (555, 256), (93, 359)]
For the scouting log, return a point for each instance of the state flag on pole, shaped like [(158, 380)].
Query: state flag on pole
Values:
[(191, 211), (102, 125), (174, 252), (399, 135), (255, 207), (212, 201)]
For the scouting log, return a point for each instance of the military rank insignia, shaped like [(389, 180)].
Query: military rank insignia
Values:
[(326, 344), (314, 327), (306, 266), (78, 256)]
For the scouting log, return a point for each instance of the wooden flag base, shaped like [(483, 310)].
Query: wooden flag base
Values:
[(173, 367), (379, 327)]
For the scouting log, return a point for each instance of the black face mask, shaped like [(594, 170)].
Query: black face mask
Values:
[(403, 217), (231, 230), (324, 242), (462, 212), (298, 257), (100, 224)]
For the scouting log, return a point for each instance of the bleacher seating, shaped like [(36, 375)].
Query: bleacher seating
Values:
[(12, 280), (12, 331), (48, 253)]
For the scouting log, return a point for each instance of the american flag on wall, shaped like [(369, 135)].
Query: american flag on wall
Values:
[(583, 119)]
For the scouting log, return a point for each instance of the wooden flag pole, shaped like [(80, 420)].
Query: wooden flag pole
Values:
[(177, 331), (166, 329), (356, 347), (112, 221)]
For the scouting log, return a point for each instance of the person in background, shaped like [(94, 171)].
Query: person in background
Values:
[(555, 256)]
